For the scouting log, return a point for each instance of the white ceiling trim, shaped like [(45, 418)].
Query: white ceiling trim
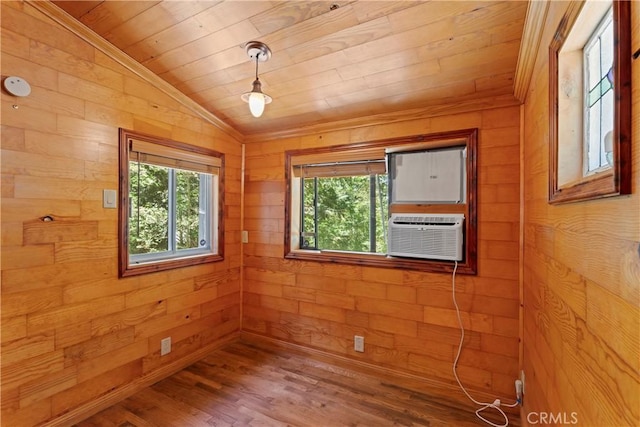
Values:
[(531, 36)]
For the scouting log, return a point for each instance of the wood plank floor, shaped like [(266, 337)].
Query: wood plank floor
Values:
[(260, 384)]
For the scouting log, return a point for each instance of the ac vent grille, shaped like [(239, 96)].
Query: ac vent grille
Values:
[(431, 236)]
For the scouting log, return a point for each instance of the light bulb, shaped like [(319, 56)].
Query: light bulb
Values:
[(256, 99), (256, 103)]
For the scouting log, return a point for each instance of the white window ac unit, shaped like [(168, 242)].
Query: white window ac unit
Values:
[(432, 236)]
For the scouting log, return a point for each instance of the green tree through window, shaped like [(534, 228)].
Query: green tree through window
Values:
[(149, 231), (168, 210), (347, 213), (188, 202)]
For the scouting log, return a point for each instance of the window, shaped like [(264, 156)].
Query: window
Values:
[(590, 96), (338, 200), (170, 205), (598, 67), (344, 206)]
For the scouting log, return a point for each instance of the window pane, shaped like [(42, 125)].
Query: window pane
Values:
[(345, 209), (149, 202), (593, 64), (382, 215), (607, 46), (599, 102), (343, 213), (593, 144), (308, 239), (606, 124), (188, 208)]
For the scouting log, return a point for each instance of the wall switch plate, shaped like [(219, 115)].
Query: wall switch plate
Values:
[(245, 236), (109, 199), (358, 343), (165, 346)]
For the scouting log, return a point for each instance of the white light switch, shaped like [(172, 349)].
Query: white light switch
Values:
[(109, 198)]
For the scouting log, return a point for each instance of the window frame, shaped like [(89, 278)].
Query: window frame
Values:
[(612, 181), (172, 252), (153, 263), (467, 137)]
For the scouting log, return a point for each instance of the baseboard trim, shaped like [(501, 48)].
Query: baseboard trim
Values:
[(417, 382), (103, 402)]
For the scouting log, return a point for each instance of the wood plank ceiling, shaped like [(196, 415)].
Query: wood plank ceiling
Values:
[(331, 61)]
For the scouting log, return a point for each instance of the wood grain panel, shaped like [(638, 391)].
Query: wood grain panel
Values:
[(160, 22), (330, 62), (13, 328), (19, 303), (32, 368), (27, 347), (39, 390), (407, 318), (108, 16), (38, 28), (79, 9), (581, 305), (96, 387), (72, 332), (39, 232)]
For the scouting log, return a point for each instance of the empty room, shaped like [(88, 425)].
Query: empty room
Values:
[(320, 213)]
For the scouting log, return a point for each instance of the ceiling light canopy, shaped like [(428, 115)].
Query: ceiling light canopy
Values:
[(259, 52)]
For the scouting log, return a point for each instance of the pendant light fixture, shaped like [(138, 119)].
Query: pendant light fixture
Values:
[(259, 52)]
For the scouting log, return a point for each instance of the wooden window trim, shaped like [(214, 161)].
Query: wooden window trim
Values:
[(468, 137), (616, 181), (164, 146)]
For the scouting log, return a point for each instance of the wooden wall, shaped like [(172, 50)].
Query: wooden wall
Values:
[(581, 278), (71, 330), (407, 318)]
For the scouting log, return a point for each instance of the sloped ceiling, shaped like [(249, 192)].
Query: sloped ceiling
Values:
[(331, 61)]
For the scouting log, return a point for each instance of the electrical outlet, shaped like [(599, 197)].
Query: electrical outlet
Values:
[(245, 236), (165, 346), (358, 343), (522, 379)]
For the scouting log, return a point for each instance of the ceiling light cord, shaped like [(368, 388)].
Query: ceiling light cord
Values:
[(484, 405), (257, 59)]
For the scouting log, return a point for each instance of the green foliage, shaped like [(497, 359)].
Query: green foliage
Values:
[(308, 212), (187, 209), (149, 201), (149, 215), (344, 211)]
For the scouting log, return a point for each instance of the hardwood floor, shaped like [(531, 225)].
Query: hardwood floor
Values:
[(261, 384)]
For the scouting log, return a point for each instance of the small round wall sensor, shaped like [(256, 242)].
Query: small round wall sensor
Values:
[(17, 86)]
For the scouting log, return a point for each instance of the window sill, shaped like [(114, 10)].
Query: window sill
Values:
[(154, 266), (381, 261), (590, 187)]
